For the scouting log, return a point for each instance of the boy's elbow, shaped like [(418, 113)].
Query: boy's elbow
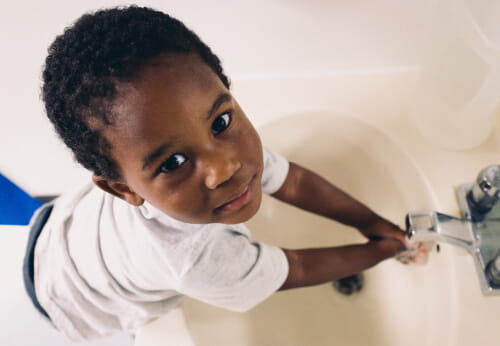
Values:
[(296, 272)]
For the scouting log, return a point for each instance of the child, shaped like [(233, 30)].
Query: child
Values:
[(177, 168)]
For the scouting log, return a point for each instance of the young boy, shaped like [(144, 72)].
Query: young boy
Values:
[(177, 168)]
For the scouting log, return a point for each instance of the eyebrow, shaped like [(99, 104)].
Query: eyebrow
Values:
[(154, 155), (222, 98)]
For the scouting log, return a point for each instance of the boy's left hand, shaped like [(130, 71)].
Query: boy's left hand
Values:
[(410, 252), (383, 229)]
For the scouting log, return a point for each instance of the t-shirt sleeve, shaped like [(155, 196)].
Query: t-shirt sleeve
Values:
[(231, 272), (275, 171)]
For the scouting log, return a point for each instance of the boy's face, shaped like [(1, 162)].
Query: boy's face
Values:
[(184, 144)]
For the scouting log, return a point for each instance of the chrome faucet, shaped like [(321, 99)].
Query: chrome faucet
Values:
[(477, 231)]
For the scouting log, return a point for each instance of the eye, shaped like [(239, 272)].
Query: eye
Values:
[(172, 163), (221, 123)]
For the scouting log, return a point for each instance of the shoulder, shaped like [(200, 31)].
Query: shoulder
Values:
[(275, 171)]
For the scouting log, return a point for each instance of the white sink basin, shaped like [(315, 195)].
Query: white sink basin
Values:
[(399, 305)]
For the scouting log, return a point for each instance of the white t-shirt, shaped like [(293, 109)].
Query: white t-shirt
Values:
[(103, 265)]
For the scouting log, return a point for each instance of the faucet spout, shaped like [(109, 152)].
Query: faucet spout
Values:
[(478, 231), (432, 226)]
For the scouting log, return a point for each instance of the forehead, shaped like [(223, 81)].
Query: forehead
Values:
[(168, 84), (174, 89)]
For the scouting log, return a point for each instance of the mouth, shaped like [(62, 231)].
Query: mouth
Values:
[(239, 200)]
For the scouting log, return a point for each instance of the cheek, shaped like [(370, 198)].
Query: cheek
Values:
[(183, 204), (250, 143)]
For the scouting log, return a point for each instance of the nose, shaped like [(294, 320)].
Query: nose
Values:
[(220, 166)]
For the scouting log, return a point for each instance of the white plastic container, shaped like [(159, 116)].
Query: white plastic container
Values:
[(459, 88)]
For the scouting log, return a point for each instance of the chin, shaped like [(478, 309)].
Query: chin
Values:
[(244, 214)]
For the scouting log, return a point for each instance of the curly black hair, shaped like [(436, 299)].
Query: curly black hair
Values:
[(86, 63)]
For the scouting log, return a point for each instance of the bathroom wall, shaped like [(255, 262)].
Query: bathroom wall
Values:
[(258, 39)]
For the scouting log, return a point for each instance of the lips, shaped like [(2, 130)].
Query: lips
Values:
[(239, 200)]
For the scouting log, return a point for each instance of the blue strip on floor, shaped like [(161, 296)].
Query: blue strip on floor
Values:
[(16, 206)]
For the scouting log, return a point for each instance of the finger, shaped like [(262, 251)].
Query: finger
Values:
[(397, 233), (392, 246)]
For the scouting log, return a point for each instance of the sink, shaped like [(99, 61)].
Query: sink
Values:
[(399, 305)]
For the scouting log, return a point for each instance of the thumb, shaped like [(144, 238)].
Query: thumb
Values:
[(397, 233)]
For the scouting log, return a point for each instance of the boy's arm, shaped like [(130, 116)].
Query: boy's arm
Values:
[(309, 267), (311, 192), (307, 190)]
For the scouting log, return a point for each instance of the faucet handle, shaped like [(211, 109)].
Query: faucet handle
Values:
[(493, 271), (486, 189)]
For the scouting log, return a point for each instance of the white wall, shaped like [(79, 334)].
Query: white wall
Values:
[(255, 39)]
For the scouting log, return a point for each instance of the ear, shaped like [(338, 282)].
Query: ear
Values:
[(118, 189)]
